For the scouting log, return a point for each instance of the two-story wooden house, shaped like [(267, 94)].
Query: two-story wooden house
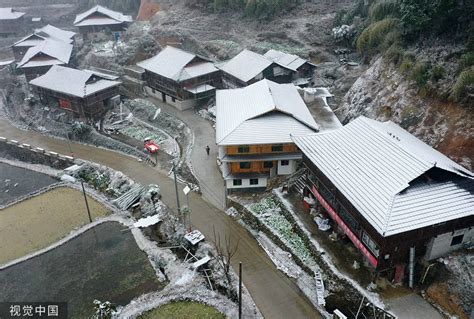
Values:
[(249, 67), (180, 78), (389, 193), (253, 128), (101, 23), (39, 36), (87, 94), (11, 22)]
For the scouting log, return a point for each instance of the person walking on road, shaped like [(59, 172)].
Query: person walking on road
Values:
[(208, 149)]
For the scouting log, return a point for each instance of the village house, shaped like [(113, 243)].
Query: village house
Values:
[(100, 23), (303, 70), (391, 194), (11, 22), (40, 58), (39, 36), (180, 78), (87, 94), (253, 127), (248, 67)]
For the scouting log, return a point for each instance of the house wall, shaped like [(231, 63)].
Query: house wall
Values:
[(255, 167), (33, 73), (19, 52), (286, 169), (11, 27), (262, 183), (443, 244), (261, 149), (180, 105), (392, 250)]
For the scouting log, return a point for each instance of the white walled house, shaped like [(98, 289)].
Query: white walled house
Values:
[(253, 128)]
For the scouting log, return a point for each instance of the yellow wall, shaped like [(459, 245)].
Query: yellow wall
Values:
[(261, 149)]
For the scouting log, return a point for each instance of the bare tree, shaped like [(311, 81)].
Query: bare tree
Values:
[(225, 252)]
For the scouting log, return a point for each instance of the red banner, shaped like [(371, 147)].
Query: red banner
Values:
[(345, 228)]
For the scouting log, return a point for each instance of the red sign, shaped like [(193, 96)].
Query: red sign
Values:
[(65, 104), (345, 228)]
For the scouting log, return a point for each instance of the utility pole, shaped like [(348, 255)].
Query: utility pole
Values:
[(240, 290), (87, 204), (176, 187)]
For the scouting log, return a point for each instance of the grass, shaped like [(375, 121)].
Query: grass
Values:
[(42, 220), (373, 36), (183, 310), (464, 80)]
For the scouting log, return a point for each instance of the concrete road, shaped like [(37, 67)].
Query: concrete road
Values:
[(275, 294), (205, 166), (413, 306)]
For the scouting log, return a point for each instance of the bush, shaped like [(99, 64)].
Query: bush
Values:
[(374, 35), (421, 73), (464, 81), (394, 54), (407, 63), (438, 73), (384, 9), (466, 61)]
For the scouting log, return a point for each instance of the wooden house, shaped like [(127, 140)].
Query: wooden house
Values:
[(100, 23), (40, 58), (253, 127), (87, 94), (303, 70), (38, 37), (389, 193), (249, 67), (11, 22), (180, 78)]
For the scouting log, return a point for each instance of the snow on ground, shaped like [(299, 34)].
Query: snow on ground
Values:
[(371, 296)]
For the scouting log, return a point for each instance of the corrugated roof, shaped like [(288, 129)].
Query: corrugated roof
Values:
[(372, 164), (71, 81), (246, 65), (57, 50), (10, 14), (115, 17), (243, 115), (290, 61), (172, 63)]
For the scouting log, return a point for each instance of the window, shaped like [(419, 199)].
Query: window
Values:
[(277, 148), (370, 244), (268, 164), (244, 165), (254, 181), (237, 182), (173, 99), (285, 162), (244, 149), (153, 91), (457, 240)]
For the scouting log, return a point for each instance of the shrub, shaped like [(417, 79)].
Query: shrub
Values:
[(463, 82), (384, 9), (374, 35), (407, 63), (394, 54), (466, 61), (421, 73), (438, 73)]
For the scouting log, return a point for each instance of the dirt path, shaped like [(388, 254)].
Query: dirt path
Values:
[(274, 293)]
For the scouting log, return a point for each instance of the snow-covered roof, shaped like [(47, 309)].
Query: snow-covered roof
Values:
[(46, 32), (262, 113), (10, 14), (48, 52), (290, 61), (107, 16), (175, 64), (375, 165), (246, 65), (72, 82)]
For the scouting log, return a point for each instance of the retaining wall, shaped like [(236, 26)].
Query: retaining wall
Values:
[(13, 149)]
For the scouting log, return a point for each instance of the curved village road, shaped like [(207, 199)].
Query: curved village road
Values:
[(275, 294)]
